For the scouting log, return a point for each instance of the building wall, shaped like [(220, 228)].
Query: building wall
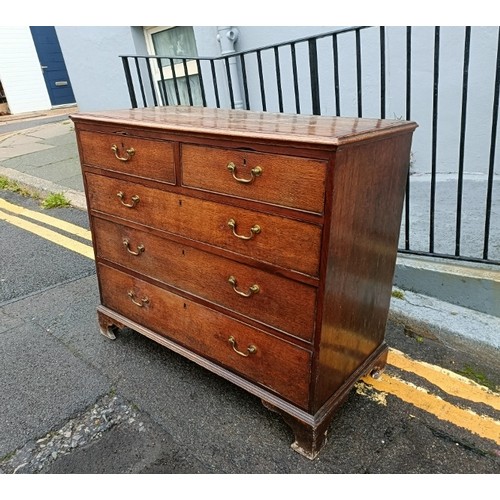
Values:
[(94, 66), (20, 71)]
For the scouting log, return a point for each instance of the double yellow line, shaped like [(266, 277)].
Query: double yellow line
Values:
[(450, 383), (13, 211)]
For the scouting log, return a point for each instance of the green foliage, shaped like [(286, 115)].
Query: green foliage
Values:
[(15, 187), (478, 377), (398, 294), (55, 200)]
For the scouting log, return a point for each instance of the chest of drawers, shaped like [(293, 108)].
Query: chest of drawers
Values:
[(261, 246)]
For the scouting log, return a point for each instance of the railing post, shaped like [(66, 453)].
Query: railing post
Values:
[(227, 37), (130, 84), (314, 75)]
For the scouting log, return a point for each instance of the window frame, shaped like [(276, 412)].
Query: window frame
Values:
[(168, 73)]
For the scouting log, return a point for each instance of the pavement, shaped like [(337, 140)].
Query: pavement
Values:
[(40, 152)]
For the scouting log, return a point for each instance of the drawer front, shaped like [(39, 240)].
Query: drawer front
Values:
[(277, 365), (129, 155), (267, 298), (278, 179), (277, 240)]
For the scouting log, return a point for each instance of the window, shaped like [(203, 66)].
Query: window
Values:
[(171, 42)]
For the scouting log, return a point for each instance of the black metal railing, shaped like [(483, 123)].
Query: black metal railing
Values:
[(446, 79)]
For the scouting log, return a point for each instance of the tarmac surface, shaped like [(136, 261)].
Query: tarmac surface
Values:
[(74, 402)]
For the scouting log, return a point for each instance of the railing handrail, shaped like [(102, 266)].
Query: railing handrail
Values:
[(251, 51)]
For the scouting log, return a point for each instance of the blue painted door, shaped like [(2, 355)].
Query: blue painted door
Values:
[(53, 65)]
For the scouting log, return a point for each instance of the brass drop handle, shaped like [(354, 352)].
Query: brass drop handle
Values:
[(251, 291), (135, 200), (251, 349), (130, 152), (255, 172), (140, 248), (253, 230), (142, 303)]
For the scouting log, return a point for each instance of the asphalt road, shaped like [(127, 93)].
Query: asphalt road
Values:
[(75, 402)]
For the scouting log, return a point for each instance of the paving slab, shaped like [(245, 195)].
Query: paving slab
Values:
[(22, 149), (28, 161), (58, 172), (51, 130)]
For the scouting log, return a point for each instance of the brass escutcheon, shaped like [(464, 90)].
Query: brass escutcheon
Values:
[(251, 349), (251, 291), (256, 229), (255, 172), (130, 152)]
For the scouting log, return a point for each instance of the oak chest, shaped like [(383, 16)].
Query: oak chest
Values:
[(261, 246)]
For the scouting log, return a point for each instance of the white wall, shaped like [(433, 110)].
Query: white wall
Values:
[(94, 66), (20, 71)]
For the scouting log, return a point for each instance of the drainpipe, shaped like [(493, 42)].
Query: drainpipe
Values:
[(227, 37)]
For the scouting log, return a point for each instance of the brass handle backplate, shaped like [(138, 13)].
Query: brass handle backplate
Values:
[(144, 301), (130, 152), (253, 230), (251, 291), (140, 248), (255, 172), (135, 200), (251, 349)]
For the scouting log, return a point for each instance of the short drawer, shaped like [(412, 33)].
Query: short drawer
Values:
[(267, 298), (130, 155), (277, 240), (266, 360), (283, 180)]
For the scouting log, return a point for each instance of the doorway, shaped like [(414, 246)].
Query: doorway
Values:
[(53, 65)]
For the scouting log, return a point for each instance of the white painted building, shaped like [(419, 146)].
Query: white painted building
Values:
[(33, 76), (20, 72)]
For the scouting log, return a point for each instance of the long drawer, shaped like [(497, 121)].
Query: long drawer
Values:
[(266, 360), (279, 179), (277, 240), (130, 155), (267, 298)]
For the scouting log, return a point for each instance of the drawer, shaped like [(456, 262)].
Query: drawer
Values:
[(275, 364), (278, 179), (133, 156), (279, 302), (277, 240)]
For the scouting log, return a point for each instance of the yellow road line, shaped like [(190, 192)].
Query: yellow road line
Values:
[(481, 425), (47, 219), (446, 380), (48, 234)]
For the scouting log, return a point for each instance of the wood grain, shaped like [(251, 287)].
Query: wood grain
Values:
[(280, 303), (285, 180), (284, 242), (277, 365), (151, 159)]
